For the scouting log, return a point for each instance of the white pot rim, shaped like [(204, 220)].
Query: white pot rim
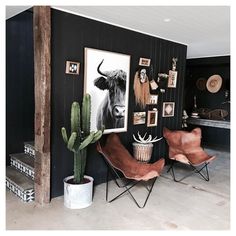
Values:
[(72, 176)]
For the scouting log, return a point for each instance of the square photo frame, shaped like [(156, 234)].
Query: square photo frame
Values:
[(152, 118), (168, 109), (139, 118), (153, 99), (72, 67)]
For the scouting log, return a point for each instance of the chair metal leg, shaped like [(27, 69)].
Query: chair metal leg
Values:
[(127, 187), (194, 170), (199, 171), (107, 179)]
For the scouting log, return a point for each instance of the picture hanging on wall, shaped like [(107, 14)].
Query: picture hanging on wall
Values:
[(172, 79), (72, 67), (153, 99), (107, 81), (139, 118), (168, 109), (152, 118), (144, 61)]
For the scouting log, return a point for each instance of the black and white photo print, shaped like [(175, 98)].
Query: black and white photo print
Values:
[(107, 81)]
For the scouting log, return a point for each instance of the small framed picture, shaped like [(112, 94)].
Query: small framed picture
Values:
[(153, 99), (168, 109), (144, 61), (152, 118), (172, 79), (139, 118), (72, 67)]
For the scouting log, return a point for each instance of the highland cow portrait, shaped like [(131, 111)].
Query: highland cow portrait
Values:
[(107, 81)]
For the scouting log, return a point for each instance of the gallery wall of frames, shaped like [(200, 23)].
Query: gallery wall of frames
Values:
[(85, 53)]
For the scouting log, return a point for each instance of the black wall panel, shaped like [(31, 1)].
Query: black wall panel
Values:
[(19, 82), (70, 35), (204, 68)]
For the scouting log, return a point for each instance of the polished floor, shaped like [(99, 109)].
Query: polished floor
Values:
[(193, 204)]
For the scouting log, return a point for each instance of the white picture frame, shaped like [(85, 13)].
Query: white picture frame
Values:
[(144, 61), (153, 99), (168, 109), (112, 114), (139, 118), (72, 67), (172, 79), (152, 118)]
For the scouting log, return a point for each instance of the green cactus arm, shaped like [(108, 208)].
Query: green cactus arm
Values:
[(75, 117), (87, 141), (97, 136), (86, 114), (71, 141), (64, 135)]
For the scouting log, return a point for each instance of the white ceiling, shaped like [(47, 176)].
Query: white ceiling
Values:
[(204, 29)]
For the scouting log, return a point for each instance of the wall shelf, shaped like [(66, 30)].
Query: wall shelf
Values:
[(210, 123)]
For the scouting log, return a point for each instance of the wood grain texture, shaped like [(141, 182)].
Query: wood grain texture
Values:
[(42, 74)]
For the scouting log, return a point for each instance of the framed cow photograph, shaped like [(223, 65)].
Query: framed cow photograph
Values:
[(106, 79)]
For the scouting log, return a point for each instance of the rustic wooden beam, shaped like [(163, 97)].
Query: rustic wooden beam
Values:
[(42, 77)]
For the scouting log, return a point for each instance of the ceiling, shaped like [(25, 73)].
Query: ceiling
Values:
[(204, 29)]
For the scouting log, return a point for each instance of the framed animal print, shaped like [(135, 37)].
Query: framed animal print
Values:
[(168, 109), (106, 79)]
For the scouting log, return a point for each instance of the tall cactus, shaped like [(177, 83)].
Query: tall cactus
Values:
[(80, 136)]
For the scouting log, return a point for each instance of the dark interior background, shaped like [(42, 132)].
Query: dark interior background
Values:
[(204, 68), (19, 82), (70, 35)]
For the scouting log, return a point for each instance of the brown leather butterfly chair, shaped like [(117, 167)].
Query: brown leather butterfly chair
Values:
[(126, 169), (185, 147)]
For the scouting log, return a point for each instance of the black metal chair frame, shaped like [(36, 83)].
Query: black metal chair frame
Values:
[(194, 170), (111, 171)]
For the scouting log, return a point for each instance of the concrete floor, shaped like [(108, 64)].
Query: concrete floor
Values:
[(192, 205)]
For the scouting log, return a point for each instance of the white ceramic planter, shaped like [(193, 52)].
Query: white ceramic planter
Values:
[(77, 196)]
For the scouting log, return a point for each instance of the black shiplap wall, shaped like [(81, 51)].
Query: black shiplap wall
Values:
[(70, 35), (204, 68), (19, 82)]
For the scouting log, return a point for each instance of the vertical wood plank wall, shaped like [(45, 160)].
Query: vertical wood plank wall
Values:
[(204, 68), (70, 35)]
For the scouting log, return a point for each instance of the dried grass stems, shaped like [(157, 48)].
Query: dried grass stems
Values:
[(141, 91)]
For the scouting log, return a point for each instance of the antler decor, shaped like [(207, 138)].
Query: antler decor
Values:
[(149, 139)]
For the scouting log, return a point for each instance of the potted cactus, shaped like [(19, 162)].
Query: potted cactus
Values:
[(78, 188)]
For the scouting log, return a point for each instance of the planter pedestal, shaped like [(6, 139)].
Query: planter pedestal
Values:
[(77, 196)]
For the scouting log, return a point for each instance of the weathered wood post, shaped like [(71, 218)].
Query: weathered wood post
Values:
[(42, 77)]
